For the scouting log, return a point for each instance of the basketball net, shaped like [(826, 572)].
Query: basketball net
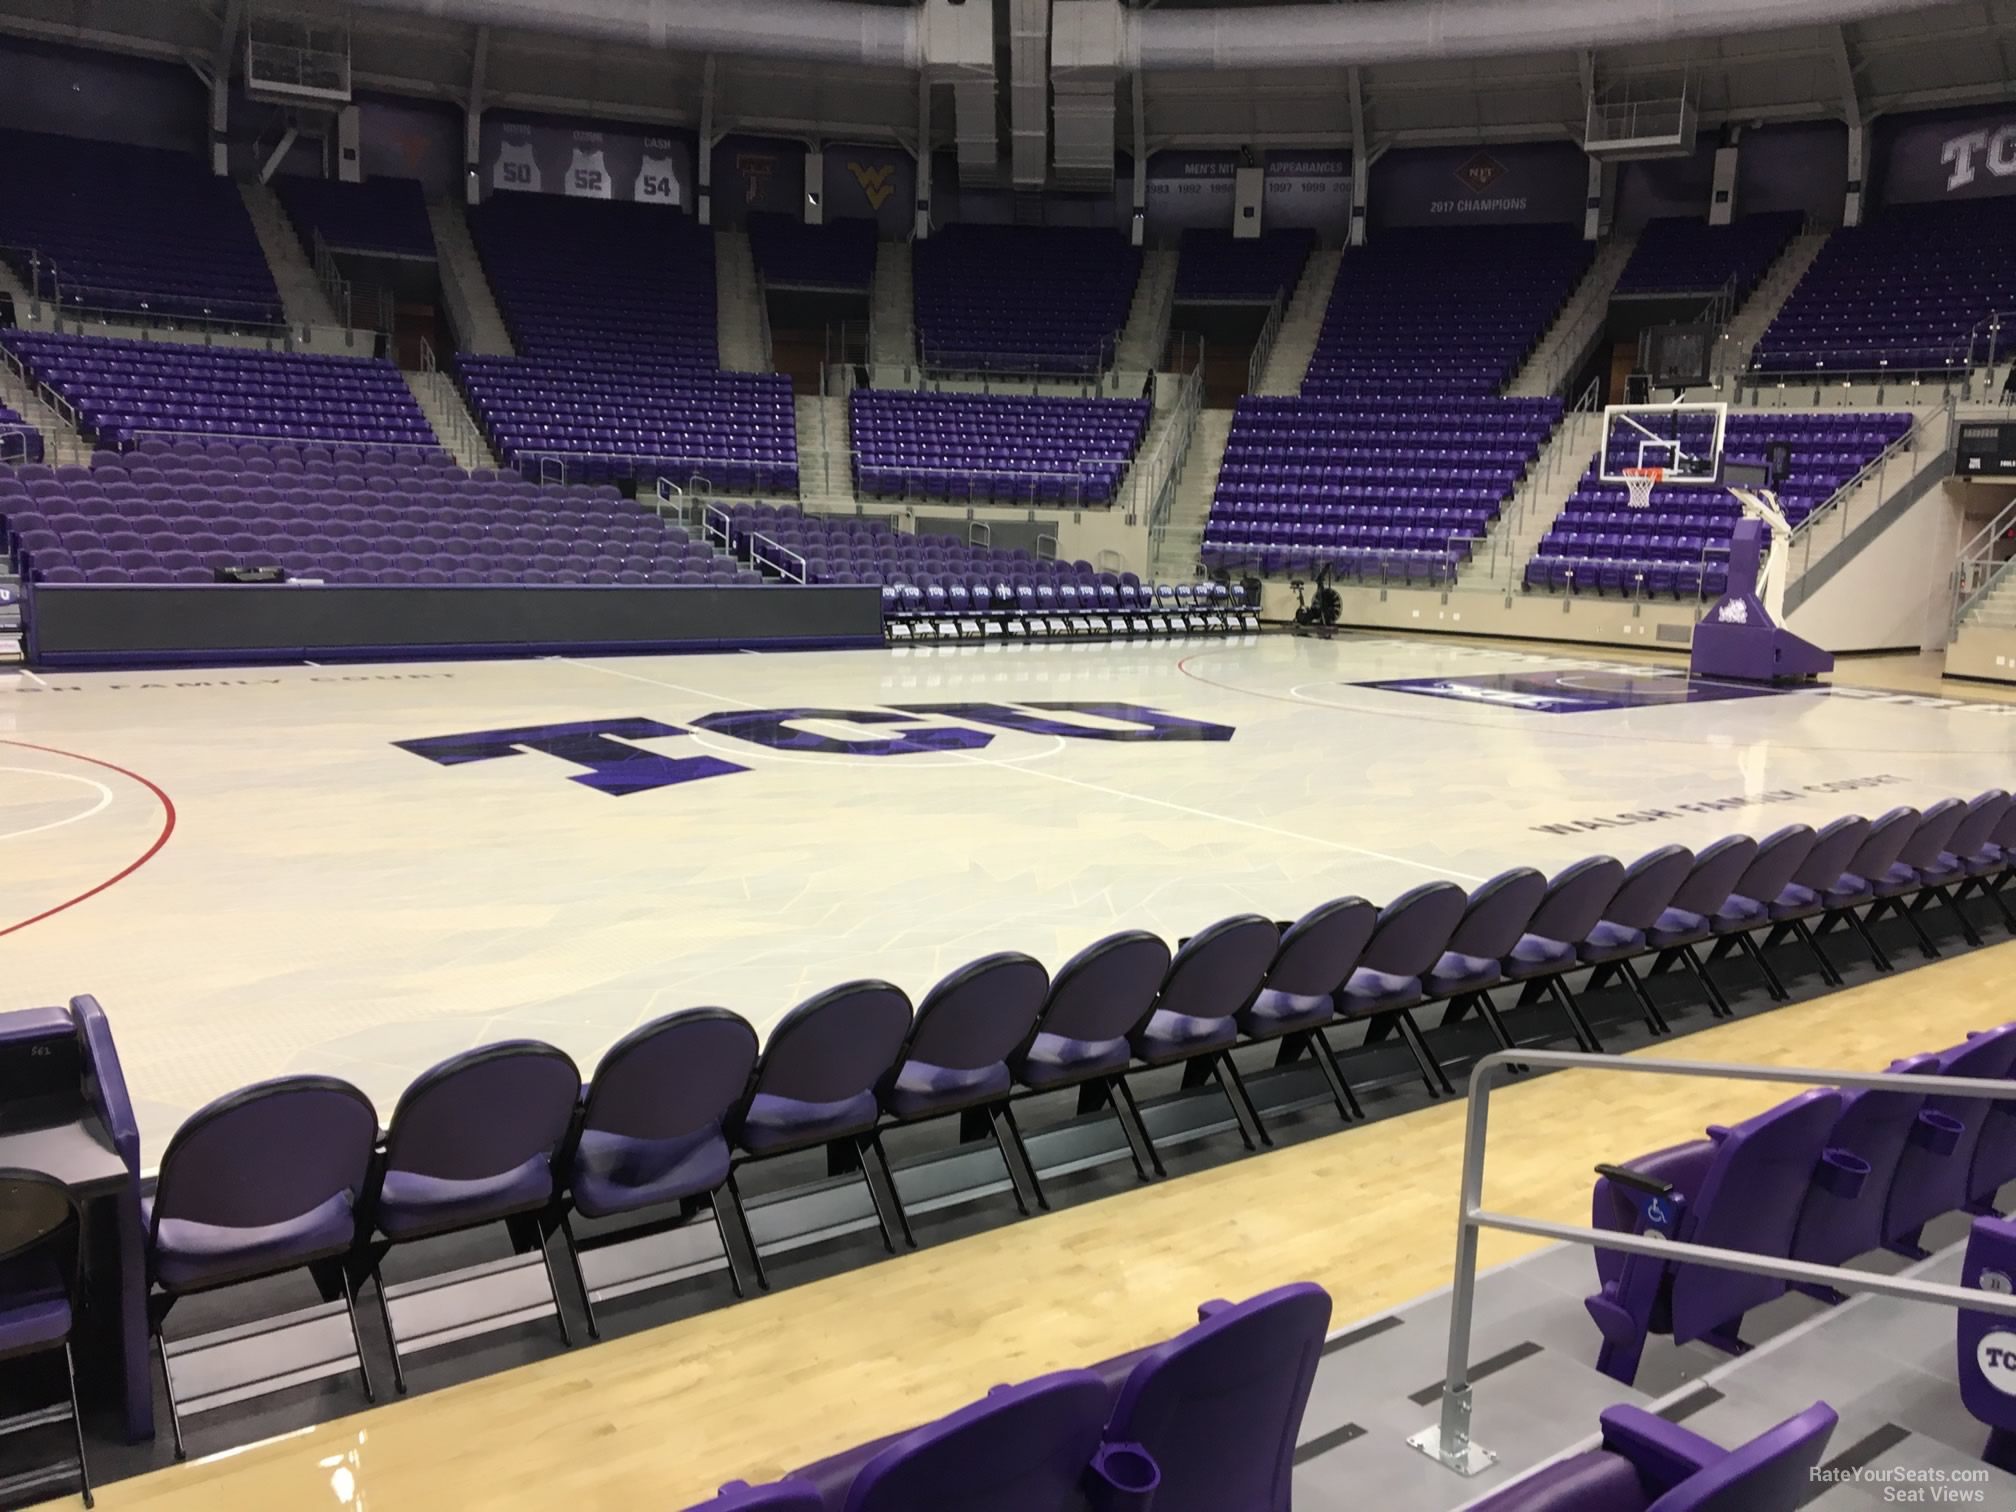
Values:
[(1638, 485)]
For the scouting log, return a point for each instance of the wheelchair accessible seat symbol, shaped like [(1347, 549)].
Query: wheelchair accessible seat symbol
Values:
[(1655, 1212)]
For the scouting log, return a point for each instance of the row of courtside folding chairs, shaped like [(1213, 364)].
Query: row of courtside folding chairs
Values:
[(954, 611)]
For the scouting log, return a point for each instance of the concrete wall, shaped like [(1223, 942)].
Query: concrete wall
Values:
[(1893, 593)]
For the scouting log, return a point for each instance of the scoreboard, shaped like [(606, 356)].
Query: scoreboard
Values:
[(1985, 449)]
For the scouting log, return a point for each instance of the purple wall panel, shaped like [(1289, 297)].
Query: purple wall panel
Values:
[(1797, 166), (104, 96)]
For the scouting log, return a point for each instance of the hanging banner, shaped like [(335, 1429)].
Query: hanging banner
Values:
[(532, 157), (1504, 184), (1309, 189), (1191, 189), (757, 175), (1946, 155), (877, 183)]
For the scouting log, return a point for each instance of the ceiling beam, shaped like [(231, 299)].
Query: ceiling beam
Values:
[(1852, 110)]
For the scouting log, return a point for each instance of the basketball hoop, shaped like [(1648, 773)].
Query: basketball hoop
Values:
[(1638, 485)]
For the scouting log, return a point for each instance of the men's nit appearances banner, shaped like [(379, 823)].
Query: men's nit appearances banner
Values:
[(1503, 184), (1309, 189), (1191, 189), (585, 162), (1945, 155)]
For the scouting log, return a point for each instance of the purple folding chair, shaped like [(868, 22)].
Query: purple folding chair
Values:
[(1410, 938), (652, 1129), (1689, 919), (1855, 886), (1650, 885), (1803, 898), (1747, 909), (1218, 1408), (1571, 906), (1097, 999), (1740, 1188), (815, 1086), (1294, 1002), (268, 1179), (1026, 1448), (1647, 1464), (1493, 921), (474, 1141), (39, 1274), (1195, 1018), (956, 1058)]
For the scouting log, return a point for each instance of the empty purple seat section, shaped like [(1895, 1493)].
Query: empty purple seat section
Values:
[(1216, 265), (1900, 292), (1678, 547), (1002, 448), (1022, 299), (132, 229), (791, 254), (1686, 255), (383, 216), (177, 508), (123, 390)]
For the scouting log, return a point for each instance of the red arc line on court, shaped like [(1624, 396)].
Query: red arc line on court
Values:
[(167, 829)]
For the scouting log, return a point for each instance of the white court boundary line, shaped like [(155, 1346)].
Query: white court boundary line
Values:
[(104, 801), (1090, 787)]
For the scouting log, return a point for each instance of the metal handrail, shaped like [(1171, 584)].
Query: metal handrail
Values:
[(776, 550), (1976, 569), (1906, 442), (1449, 1442), (1157, 478), (1263, 344), (1088, 364)]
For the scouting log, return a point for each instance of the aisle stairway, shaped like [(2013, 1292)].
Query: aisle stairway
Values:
[(1565, 345), (1499, 562), (1769, 297), (893, 323), (60, 441), (1147, 330), (448, 412), (1301, 324), (479, 325), (301, 292), (825, 480), (741, 333), (1175, 554)]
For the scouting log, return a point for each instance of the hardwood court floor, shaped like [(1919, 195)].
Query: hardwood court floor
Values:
[(658, 1419)]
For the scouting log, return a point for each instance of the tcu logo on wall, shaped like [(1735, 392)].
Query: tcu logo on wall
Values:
[(619, 767), (1967, 154), (1996, 1357)]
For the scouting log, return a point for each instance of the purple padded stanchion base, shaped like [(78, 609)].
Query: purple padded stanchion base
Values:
[(1755, 653)]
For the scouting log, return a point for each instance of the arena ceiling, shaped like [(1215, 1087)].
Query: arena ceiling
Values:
[(1920, 56)]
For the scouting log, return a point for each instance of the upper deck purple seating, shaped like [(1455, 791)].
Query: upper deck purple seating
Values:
[(124, 389), (791, 254), (1432, 312), (999, 447), (1901, 291), (174, 511), (1678, 546), (633, 418), (1685, 255), (386, 216), (1023, 299), (132, 229), (1395, 488), (603, 282), (1216, 265)]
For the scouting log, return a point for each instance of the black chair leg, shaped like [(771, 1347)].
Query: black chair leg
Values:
[(1909, 915), (1654, 1019), (1585, 1037), (1015, 1156), (876, 1177), (573, 1251), (77, 1424), (356, 1334), (1772, 984), (1717, 1004), (1953, 900), (168, 1383), (1432, 1075), (1236, 1094), (741, 1215), (1333, 1074), (1811, 941), (542, 1232), (1129, 1113), (1457, 1010), (1876, 954), (1993, 894), (391, 1333)]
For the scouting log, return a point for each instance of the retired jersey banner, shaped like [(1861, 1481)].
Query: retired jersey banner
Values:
[(877, 183), (1503, 184), (584, 162), (1945, 155)]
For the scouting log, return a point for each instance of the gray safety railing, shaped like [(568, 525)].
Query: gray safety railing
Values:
[(671, 502), (1263, 344), (62, 408), (1977, 568), (1829, 523), (465, 435), (1449, 1441), (1150, 487), (768, 551)]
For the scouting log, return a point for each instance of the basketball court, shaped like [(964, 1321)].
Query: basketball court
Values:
[(362, 870)]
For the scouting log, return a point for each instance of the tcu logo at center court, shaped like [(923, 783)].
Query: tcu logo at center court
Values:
[(619, 767)]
